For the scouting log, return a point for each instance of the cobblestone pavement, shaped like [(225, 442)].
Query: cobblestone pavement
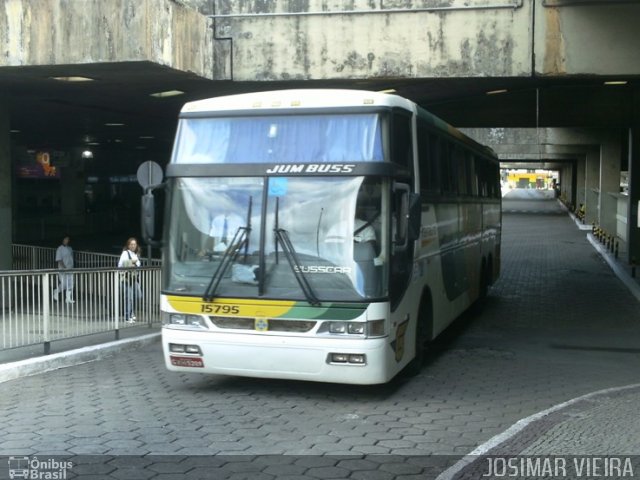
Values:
[(558, 324)]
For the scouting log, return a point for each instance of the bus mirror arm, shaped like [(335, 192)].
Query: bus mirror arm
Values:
[(148, 213)]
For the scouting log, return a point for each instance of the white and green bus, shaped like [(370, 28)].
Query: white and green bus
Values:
[(323, 235)]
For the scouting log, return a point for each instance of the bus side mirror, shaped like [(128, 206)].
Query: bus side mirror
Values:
[(408, 217), (148, 214)]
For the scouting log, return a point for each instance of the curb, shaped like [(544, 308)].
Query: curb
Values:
[(624, 277), (34, 366)]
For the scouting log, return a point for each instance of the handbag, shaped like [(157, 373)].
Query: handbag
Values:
[(130, 277)]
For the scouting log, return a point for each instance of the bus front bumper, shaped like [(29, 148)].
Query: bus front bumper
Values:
[(336, 360)]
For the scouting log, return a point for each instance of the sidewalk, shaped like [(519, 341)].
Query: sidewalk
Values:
[(25, 361)]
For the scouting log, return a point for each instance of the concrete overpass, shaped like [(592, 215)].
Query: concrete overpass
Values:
[(525, 76)]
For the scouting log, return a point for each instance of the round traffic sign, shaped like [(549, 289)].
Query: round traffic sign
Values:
[(149, 173)]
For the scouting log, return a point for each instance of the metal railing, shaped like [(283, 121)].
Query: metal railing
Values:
[(31, 313), (29, 257)]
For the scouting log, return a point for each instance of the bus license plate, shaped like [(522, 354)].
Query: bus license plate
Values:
[(194, 362)]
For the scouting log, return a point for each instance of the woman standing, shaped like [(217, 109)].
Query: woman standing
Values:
[(64, 259), (130, 259)]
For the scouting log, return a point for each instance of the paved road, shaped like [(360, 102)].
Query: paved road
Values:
[(557, 325)]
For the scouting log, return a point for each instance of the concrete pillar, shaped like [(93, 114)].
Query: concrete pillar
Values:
[(5, 191), (565, 183), (633, 231), (592, 186), (610, 156), (581, 181)]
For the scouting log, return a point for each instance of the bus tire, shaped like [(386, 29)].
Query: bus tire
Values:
[(483, 288), (485, 281), (424, 333), (490, 278)]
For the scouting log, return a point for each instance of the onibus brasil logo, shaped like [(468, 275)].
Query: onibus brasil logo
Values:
[(32, 468)]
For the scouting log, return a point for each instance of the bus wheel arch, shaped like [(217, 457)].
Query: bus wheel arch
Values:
[(485, 278), (423, 333), (490, 278)]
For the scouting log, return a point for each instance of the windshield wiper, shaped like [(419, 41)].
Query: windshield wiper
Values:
[(240, 239), (292, 257)]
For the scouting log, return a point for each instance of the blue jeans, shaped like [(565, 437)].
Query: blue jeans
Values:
[(132, 293)]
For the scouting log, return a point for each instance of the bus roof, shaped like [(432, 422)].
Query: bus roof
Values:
[(299, 98)]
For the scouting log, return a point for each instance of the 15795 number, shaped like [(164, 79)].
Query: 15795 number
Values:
[(218, 308)]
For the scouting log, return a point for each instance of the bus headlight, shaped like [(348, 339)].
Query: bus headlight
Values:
[(338, 327), (374, 328), (185, 320), (356, 328)]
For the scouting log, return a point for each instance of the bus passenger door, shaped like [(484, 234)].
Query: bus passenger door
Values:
[(405, 226)]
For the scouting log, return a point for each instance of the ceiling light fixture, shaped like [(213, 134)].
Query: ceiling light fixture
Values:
[(87, 154), (73, 79), (114, 124), (167, 93), (616, 82), (388, 90), (146, 137), (496, 92), (14, 131)]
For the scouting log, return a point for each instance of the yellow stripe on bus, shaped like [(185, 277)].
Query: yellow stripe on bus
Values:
[(231, 307)]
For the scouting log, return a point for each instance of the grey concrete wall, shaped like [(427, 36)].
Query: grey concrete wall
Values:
[(5, 190), (206, 7), (327, 39), (454, 38), (600, 39), (56, 32), (517, 143)]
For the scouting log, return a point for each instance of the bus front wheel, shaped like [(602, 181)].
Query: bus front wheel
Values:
[(423, 335)]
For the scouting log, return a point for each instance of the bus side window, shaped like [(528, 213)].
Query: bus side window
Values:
[(448, 169), (458, 159), (494, 181), (481, 176), (428, 160), (402, 154), (473, 174)]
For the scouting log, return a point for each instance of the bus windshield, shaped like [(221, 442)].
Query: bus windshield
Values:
[(332, 231), (280, 138)]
